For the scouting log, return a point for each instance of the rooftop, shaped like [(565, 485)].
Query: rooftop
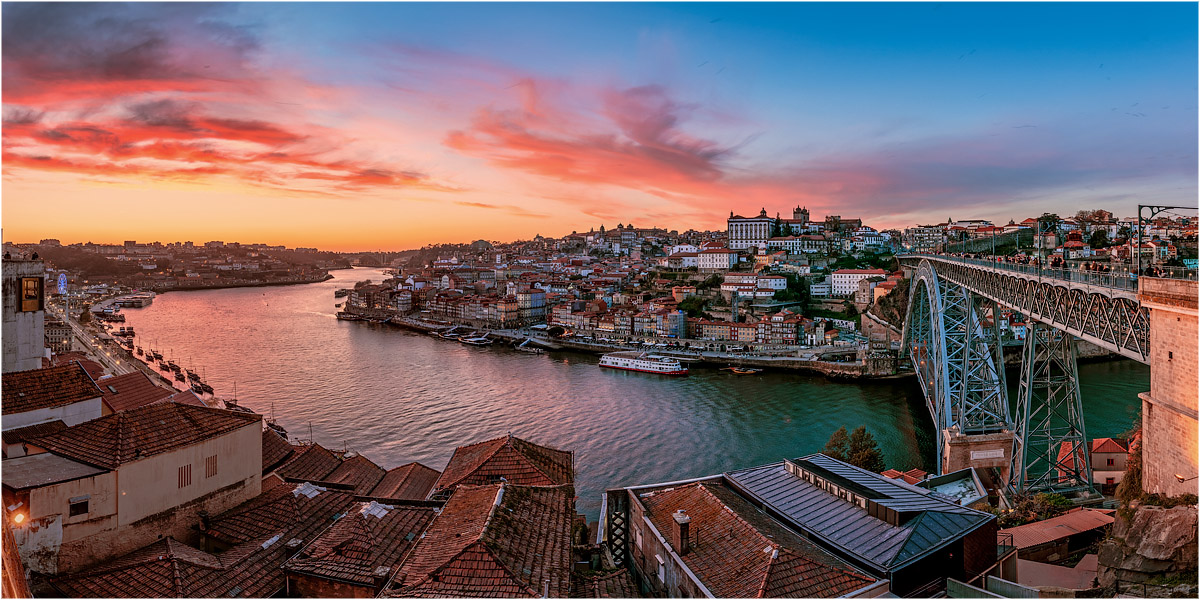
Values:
[(366, 544), (51, 387), (496, 540), (37, 470), (131, 390), (309, 462), (413, 481), (922, 522), (1063, 526), (126, 436), (514, 459)]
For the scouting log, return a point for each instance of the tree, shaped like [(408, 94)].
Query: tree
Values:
[(1098, 239), (693, 306), (838, 445), (864, 453), (1049, 222), (85, 314)]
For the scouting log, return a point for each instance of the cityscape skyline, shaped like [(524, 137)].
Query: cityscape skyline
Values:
[(388, 126)]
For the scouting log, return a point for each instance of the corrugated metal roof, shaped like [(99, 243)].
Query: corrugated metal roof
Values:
[(1057, 528), (849, 527)]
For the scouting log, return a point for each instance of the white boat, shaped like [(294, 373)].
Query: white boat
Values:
[(643, 363)]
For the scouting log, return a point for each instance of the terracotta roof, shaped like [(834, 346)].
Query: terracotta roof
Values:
[(494, 541), (282, 507), (93, 368), (275, 449), (311, 462), (130, 435), (155, 571), (514, 459), (20, 434), (1057, 528), (1109, 445), (46, 388), (366, 544), (357, 471), (413, 481), (618, 584), (185, 397), (131, 390), (738, 552)]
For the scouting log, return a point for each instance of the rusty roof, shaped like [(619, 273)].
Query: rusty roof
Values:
[(131, 390), (131, 435), (514, 459), (46, 388), (1063, 526), (494, 541), (413, 481), (739, 552), (364, 546)]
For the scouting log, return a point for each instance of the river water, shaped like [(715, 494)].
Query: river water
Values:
[(398, 396)]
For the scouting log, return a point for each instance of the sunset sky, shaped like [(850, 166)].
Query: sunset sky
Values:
[(389, 126)]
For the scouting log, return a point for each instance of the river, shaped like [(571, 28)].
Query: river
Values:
[(398, 396)]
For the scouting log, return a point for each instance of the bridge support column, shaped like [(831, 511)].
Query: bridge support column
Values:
[(991, 452), (1169, 409), (1051, 452)]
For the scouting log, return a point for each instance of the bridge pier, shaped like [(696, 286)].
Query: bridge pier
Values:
[(990, 452), (1169, 409)]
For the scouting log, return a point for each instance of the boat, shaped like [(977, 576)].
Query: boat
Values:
[(157, 355), (179, 376), (192, 375), (347, 316), (208, 389), (172, 366), (742, 370), (342, 293), (162, 366), (196, 389), (139, 350), (643, 363), (482, 340)]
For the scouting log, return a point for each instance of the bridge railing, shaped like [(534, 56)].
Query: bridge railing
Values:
[(1117, 278)]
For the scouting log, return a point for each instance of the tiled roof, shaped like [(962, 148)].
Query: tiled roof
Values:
[(514, 459), (20, 434), (311, 462), (1057, 528), (185, 397), (357, 471), (130, 435), (93, 368), (496, 540), (131, 390), (618, 584), (737, 552), (275, 449), (277, 509), (366, 544), (159, 570), (413, 481), (46, 388)]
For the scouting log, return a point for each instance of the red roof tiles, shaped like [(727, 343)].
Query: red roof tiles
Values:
[(21, 434), (413, 481), (36, 389), (310, 462), (275, 449), (496, 540), (364, 546), (131, 390), (357, 471), (122, 437), (618, 584), (514, 459), (739, 553)]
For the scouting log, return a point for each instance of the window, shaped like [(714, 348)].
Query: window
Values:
[(31, 294), (638, 539), (185, 476), (210, 466), (78, 506), (1112, 461), (662, 569), (1110, 481)]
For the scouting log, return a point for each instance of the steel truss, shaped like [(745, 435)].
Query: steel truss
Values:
[(1049, 420), (955, 357), (1115, 323)]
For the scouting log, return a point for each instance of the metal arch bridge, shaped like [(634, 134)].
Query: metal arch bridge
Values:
[(959, 362)]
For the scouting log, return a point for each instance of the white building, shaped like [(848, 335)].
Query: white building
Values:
[(845, 281), (749, 232), (717, 260), (24, 335)]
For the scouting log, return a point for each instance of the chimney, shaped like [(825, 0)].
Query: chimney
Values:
[(680, 537)]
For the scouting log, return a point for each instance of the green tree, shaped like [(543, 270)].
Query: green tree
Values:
[(1098, 239), (838, 445), (864, 452), (1049, 222), (85, 314), (693, 306)]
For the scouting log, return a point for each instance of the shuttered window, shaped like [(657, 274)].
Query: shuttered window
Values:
[(185, 476), (210, 466)]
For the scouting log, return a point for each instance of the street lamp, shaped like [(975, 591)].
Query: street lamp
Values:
[(1182, 480)]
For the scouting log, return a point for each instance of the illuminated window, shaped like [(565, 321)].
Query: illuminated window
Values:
[(31, 294)]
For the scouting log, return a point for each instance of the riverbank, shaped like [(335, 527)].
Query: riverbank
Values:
[(223, 286)]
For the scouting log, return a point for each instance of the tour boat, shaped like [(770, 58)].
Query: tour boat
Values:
[(643, 363), (345, 316)]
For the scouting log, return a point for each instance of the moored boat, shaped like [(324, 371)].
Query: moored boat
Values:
[(475, 341), (643, 363), (347, 316)]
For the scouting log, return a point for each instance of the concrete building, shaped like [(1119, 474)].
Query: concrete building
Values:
[(748, 232), (64, 393), (23, 335), (716, 260), (58, 336), (97, 490)]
